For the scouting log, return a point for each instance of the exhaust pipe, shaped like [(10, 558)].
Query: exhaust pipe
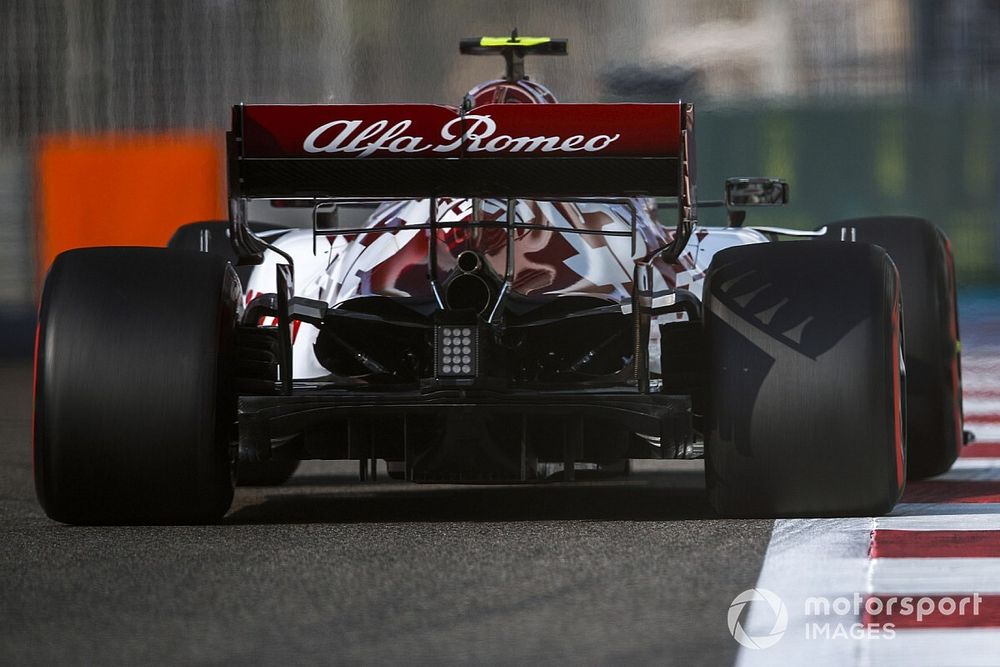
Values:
[(467, 291), (469, 288), (469, 261)]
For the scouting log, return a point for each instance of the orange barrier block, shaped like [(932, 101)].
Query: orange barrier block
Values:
[(124, 189)]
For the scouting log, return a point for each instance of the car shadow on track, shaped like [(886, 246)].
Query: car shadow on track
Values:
[(317, 499)]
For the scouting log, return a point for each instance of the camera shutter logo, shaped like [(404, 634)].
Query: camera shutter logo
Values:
[(773, 602)]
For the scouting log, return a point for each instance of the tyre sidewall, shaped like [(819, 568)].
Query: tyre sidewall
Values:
[(134, 403)]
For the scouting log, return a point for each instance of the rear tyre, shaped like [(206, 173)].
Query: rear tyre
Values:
[(922, 254), (803, 416), (133, 401), (213, 236)]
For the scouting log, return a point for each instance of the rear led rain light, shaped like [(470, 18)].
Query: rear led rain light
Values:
[(456, 351)]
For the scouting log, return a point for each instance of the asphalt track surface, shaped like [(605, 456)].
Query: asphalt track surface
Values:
[(330, 570)]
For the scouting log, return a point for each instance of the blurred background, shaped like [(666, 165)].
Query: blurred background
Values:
[(112, 112)]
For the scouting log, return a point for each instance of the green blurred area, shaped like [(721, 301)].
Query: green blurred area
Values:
[(937, 160)]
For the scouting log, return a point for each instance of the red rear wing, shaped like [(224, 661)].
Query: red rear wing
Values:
[(424, 150)]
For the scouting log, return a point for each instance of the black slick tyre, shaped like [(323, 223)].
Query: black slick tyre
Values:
[(922, 254), (133, 401), (805, 396), (212, 236)]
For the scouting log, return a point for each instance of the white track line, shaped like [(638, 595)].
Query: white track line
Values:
[(936, 576), (974, 463), (984, 432), (973, 406), (980, 366), (940, 522), (829, 558), (983, 354), (945, 509), (980, 361), (972, 470), (934, 648), (981, 382), (808, 558)]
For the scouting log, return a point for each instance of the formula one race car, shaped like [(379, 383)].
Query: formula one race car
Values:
[(486, 293)]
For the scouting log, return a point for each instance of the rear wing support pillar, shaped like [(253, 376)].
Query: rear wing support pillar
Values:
[(687, 220), (432, 254)]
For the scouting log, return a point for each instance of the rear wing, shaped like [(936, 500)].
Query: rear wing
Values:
[(549, 151)]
